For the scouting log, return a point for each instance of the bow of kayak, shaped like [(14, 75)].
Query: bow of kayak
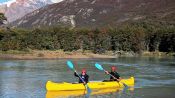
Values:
[(64, 86)]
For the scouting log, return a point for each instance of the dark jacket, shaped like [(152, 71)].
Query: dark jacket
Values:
[(84, 77), (115, 74)]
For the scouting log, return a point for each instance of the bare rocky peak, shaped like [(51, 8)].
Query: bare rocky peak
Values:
[(3, 8), (19, 8)]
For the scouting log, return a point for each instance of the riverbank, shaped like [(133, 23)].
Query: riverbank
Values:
[(158, 54), (46, 54)]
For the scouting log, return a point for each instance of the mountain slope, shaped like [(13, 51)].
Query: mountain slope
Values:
[(97, 13), (3, 8), (18, 8)]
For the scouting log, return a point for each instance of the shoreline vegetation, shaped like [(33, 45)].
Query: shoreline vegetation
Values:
[(47, 54), (60, 54), (145, 38)]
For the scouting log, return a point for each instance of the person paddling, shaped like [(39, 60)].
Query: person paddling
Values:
[(83, 75), (114, 73)]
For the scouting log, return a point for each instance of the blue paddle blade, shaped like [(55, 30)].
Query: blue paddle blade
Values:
[(70, 64), (98, 66), (88, 89)]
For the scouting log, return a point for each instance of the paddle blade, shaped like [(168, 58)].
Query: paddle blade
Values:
[(70, 64), (88, 89), (98, 66)]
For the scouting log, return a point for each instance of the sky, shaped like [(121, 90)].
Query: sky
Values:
[(8, 2), (1, 1)]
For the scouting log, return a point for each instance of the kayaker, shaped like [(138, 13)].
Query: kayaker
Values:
[(114, 73), (83, 75)]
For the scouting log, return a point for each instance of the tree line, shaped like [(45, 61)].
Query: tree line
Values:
[(136, 37)]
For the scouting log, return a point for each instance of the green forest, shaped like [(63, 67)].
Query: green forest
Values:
[(135, 37), (127, 38)]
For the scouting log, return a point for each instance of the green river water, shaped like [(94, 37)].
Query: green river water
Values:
[(154, 77)]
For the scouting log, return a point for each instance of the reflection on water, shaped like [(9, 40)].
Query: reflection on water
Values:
[(108, 92), (155, 77)]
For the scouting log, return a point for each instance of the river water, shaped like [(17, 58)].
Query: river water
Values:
[(154, 77)]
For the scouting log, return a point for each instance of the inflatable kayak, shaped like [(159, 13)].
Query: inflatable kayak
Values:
[(64, 86)]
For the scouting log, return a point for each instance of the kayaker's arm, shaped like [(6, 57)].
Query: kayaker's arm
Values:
[(75, 74), (115, 76), (115, 79), (119, 79), (106, 72), (87, 78)]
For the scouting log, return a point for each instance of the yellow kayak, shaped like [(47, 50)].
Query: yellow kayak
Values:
[(64, 86)]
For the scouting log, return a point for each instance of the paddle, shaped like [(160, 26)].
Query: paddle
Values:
[(71, 66), (98, 66)]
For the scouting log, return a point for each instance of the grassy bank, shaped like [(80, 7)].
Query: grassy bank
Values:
[(158, 54), (47, 54)]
